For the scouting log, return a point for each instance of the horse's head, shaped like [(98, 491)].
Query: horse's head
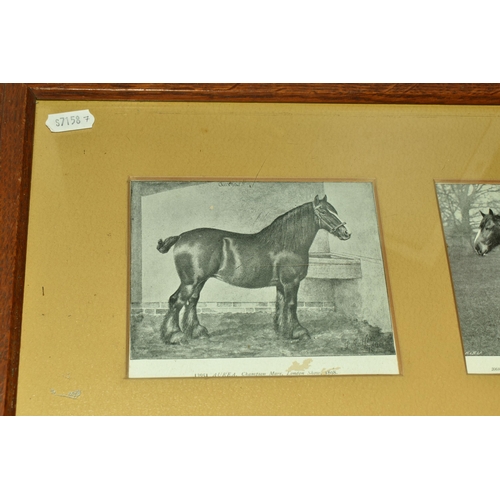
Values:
[(329, 220), (488, 236)]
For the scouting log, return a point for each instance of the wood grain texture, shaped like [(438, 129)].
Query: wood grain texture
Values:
[(310, 93), (16, 148), (17, 109)]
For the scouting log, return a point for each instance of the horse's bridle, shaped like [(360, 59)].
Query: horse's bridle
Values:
[(338, 226)]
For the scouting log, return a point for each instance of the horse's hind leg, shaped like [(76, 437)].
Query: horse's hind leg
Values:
[(190, 324), (170, 324), (170, 330)]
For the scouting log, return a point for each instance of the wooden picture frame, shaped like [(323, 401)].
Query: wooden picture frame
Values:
[(17, 111)]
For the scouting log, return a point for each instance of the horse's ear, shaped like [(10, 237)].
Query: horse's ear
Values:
[(491, 212), (316, 201), (482, 215), (324, 199)]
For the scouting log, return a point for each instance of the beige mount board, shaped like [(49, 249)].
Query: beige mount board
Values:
[(75, 319)]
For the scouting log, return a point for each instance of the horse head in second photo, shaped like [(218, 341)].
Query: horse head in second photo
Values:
[(488, 235)]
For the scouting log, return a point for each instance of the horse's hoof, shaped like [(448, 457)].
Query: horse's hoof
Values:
[(177, 338), (199, 331), (171, 337), (300, 333), (165, 336)]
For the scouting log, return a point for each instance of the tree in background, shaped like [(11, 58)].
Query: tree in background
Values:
[(460, 206)]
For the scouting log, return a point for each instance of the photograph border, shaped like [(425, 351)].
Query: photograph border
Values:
[(17, 111), (473, 365), (390, 302)]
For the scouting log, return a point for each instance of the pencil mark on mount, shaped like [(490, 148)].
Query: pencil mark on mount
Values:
[(263, 163), (71, 395), (277, 256)]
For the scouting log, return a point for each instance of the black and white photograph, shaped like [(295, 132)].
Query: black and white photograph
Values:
[(246, 278), (470, 215)]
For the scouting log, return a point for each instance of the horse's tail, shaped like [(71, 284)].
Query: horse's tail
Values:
[(165, 245)]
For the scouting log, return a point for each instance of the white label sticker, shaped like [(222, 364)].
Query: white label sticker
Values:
[(71, 120)]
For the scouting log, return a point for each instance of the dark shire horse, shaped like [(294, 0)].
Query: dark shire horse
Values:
[(488, 236), (276, 256)]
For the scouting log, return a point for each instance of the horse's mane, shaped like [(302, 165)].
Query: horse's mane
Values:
[(294, 230)]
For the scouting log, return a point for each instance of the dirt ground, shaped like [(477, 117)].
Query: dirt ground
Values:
[(234, 335), (476, 290)]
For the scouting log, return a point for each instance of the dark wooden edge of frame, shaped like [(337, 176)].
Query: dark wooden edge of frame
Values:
[(479, 94), (17, 112)]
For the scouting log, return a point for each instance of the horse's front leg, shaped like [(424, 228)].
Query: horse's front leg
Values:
[(190, 324), (279, 319), (293, 329)]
